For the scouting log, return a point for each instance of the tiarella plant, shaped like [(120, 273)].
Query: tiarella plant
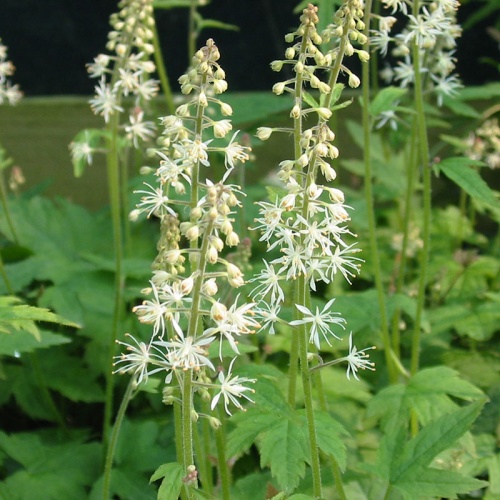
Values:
[(187, 309), (306, 220)]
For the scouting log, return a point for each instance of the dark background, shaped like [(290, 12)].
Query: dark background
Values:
[(51, 41)]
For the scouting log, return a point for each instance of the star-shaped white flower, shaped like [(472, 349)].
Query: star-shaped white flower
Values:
[(320, 321)]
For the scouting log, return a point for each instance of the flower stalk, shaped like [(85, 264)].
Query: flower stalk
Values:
[(306, 222)]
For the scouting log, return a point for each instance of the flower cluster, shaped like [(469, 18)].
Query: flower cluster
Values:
[(127, 71), (306, 222), (184, 310), (434, 30), (8, 92), (484, 144)]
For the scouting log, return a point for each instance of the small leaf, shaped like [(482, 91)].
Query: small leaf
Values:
[(458, 170), (24, 342), (309, 99), (171, 485), (438, 483), (329, 434), (172, 4), (284, 448), (460, 108), (386, 100), (213, 23), (434, 438)]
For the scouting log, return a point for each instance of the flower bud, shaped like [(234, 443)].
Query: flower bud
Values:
[(324, 113), (193, 233), (220, 86), (225, 109), (187, 285), (215, 423), (212, 255), (363, 56), (295, 113), (210, 287), (279, 88), (354, 81), (263, 133), (277, 65), (218, 311), (232, 239)]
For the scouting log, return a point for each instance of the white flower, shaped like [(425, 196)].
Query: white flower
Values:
[(268, 280), (235, 152), (154, 202), (342, 261), (138, 358), (320, 322), (139, 129), (105, 102), (270, 220), (128, 81), (446, 86), (187, 353), (82, 150), (295, 260), (234, 321), (358, 359), (268, 316), (232, 390), (152, 312), (147, 89)]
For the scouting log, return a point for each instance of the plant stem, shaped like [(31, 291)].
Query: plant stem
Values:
[(113, 171), (410, 187), (192, 35), (5, 202), (374, 251), (114, 436), (426, 175), (162, 72), (337, 473), (308, 398), (223, 468), (187, 422)]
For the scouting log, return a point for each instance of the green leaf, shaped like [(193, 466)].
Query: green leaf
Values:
[(337, 92), (270, 407), (24, 342), (255, 107), (437, 483), (283, 447), (427, 394), (251, 486), (410, 471), (57, 469), (329, 434), (213, 23), (488, 91), (434, 438), (65, 373), (386, 100), (458, 170), (460, 108), (171, 485), (17, 316), (309, 99), (173, 4)]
